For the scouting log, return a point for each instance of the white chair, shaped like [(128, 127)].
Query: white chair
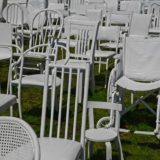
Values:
[(139, 73), (140, 24), (18, 140), (111, 34), (14, 14), (131, 6), (85, 34), (46, 26), (23, 78), (6, 101), (66, 137), (107, 128)]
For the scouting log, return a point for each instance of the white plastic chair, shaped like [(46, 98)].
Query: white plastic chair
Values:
[(140, 24), (107, 128), (139, 73), (18, 140), (65, 138)]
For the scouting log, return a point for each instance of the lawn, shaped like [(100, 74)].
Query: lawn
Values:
[(135, 147)]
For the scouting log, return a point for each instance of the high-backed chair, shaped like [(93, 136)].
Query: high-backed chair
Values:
[(66, 135), (139, 71), (18, 140)]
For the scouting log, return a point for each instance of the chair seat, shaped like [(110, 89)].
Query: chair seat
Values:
[(132, 85), (59, 149), (64, 42), (101, 134), (104, 54), (36, 80), (111, 45), (6, 101), (5, 53)]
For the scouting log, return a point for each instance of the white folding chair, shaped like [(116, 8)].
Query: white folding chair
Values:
[(18, 140), (139, 73), (140, 24), (65, 138), (107, 128)]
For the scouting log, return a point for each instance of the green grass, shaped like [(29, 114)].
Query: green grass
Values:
[(135, 147)]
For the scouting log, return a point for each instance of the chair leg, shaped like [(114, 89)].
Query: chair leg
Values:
[(82, 157), (19, 102), (108, 151), (90, 150), (120, 148)]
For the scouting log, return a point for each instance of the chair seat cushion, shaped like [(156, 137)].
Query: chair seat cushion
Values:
[(101, 134), (59, 149), (6, 101), (36, 80), (132, 85), (104, 54)]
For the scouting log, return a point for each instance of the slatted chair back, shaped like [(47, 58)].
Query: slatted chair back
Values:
[(84, 34), (46, 27), (67, 117), (17, 140)]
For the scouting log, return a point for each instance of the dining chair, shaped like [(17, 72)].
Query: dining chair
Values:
[(18, 140), (65, 138)]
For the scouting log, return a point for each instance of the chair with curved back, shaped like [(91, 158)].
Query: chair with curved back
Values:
[(17, 140)]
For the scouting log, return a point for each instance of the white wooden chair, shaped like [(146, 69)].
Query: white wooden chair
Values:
[(107, 128), (136, 75), (18, 140), (65, 137), (111, 34)]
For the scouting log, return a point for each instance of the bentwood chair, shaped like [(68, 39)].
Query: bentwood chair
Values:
[(107, 128), (17, 140), (65, 138)]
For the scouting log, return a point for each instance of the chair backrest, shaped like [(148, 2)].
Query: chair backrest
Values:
[(14, 14), (112, 5), (5, 39), (17, 140), (155, 10), (141, 58), (140, 24), (109, 33), (85, 34), (112, 119), (118, 18), (132, 6), (67, 116), (46, 27)]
